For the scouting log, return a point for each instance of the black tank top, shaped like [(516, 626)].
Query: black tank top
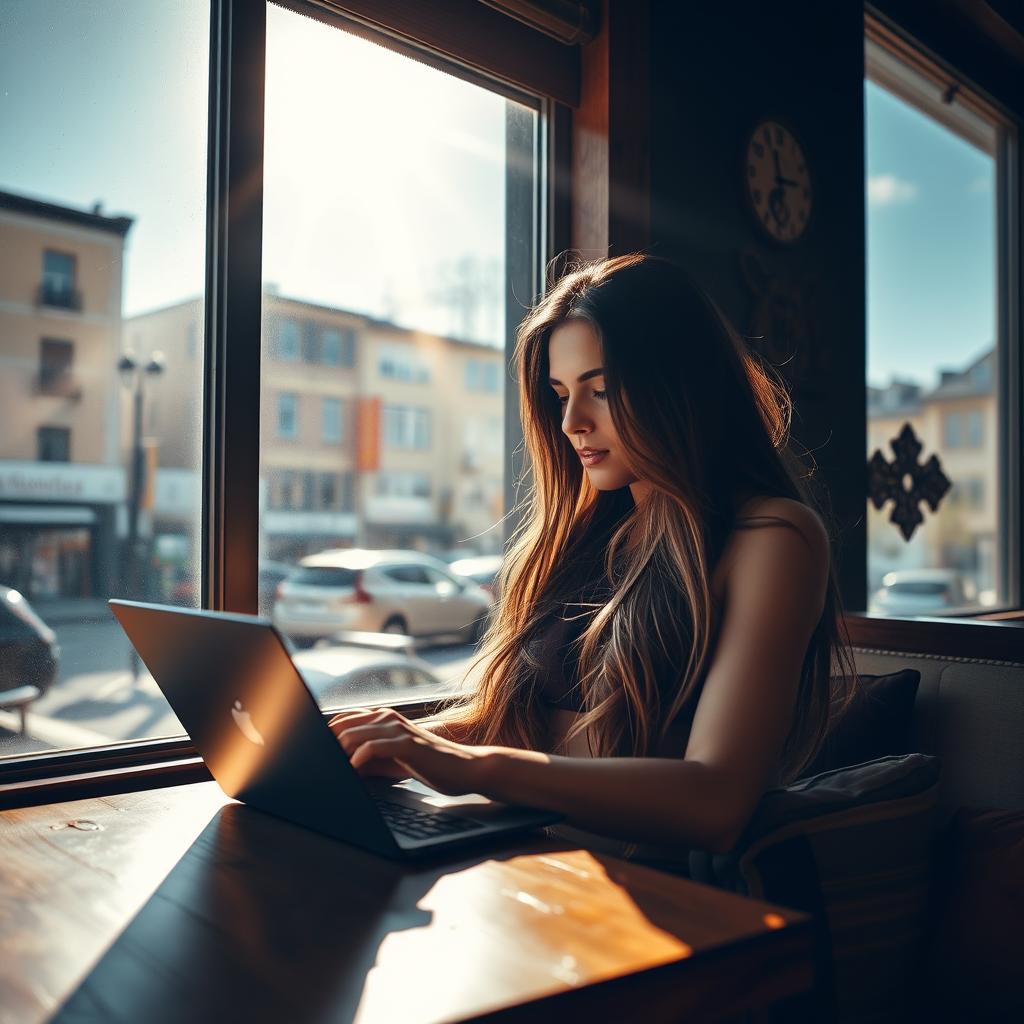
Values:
[(555, 648)]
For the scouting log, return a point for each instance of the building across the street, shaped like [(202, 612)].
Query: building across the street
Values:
[(62, 478)]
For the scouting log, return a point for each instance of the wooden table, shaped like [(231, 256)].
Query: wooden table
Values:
[(185, 906)]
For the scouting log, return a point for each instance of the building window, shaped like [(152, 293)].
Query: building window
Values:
[(309, 491), (937, 160), (482, 376), (287, 416), (329, 491), (348, 492), (310, 341), (975, 429), (398, 484), (288, 341), (405, 427), (55, 359), (332, 420), (402, 362), (54, 444), (338, 346), (952, 430), (59, 280)]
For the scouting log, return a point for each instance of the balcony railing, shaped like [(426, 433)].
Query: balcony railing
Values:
[(59, 297)]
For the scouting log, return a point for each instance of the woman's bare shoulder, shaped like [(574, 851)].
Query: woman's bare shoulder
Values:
[(760, 511), (769, 525)]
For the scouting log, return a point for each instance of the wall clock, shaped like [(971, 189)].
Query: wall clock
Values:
[(777, 181)]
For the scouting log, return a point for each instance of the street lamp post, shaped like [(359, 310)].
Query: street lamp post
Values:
[(133, 374)]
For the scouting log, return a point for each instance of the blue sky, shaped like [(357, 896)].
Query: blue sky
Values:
[(371, 195), (930, 244)]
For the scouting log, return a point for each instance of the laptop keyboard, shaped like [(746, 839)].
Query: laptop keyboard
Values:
[(408, 821)]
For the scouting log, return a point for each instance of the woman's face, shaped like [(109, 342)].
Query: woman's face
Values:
[(577, 378)]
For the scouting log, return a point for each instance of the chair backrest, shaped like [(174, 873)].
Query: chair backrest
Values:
[(970, 705)]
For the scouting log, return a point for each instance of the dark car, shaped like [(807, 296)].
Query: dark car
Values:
[(29, 654)]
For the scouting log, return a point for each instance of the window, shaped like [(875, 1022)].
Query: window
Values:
[(55, 358), (54, 444), (310, 342), (975, 429), (102, 210), (953, 429), (406, 428), (397, 484), (328, 491), (332, 420), (403, 362), (287, 416), (937, 172), (59, 280), (482, 376), (288, 341), (459, 232)]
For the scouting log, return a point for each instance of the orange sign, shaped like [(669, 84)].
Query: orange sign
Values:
[(367, 434)]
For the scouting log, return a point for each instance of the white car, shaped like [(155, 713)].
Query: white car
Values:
[(921, 592), (378, 592)]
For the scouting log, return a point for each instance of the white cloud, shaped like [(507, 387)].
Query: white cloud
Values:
[(886, 189)]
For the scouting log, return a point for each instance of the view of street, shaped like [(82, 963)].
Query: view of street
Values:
[(97, 699)]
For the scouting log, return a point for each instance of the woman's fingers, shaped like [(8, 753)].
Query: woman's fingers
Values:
[(383, 748), (360, 716)]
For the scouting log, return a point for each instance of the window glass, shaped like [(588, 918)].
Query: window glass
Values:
[(288, 341), (102, 262), (933, 168), (287, 416), (388, 224), (332, 420)]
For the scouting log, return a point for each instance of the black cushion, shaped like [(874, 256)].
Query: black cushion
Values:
[(876, 723)]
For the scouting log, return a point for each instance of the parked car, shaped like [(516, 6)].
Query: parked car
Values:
[(378, 591), (29, 653), (482, 570), (921, 592), (344, 674)]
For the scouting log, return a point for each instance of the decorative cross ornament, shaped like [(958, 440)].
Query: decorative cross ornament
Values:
[(906, 482)]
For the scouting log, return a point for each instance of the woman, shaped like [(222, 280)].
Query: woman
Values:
[(669, 615)]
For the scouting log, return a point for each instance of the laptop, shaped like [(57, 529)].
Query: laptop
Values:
[(234, 687)]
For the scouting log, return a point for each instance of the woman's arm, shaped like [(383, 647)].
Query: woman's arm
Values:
[(774, 594)]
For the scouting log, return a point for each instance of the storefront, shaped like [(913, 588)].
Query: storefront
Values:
[(58, 534)]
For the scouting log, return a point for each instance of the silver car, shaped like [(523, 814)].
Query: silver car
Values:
[(378, 591)]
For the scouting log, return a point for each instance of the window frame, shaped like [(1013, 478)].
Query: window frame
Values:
[(973, 91), (229, 556)]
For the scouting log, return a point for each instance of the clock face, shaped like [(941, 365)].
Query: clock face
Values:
[(778, 181)]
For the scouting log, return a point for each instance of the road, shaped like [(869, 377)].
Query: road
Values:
[(97, 699)]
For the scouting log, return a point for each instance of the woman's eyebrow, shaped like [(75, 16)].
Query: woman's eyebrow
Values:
[(596, 372)]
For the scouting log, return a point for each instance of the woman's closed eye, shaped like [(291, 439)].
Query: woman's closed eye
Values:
[(600, 395)]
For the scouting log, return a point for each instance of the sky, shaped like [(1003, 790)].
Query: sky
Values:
[(373, 196), (930, 244), (378, 199)]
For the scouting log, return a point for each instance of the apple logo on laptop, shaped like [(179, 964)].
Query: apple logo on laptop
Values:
[(244, 722)]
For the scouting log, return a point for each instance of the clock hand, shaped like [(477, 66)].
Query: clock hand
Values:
[(778, 169)]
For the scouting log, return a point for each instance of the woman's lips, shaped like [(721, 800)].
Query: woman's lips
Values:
[(592, 458)]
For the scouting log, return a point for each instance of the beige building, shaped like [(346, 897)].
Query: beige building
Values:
[(371, 434), (62, 479), (958, 422)]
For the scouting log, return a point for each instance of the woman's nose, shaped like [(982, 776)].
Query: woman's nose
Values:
[(573, 420)]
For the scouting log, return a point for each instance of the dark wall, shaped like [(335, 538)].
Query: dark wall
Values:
[(717, 69)]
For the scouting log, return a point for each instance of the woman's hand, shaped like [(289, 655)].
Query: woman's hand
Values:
[(380, 741)]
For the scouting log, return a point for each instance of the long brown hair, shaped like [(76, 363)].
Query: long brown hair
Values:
[(705, 423)]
